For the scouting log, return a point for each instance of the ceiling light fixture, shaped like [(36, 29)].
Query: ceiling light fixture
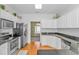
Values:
[(38, 6)]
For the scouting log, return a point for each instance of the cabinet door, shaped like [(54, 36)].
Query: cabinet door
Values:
[(75, 19), (44, 40), (51, 41), (19, 42), (0, 23), (4, 14), (70, 20), (4, 49), (60, 23), (64, 22), (55, 42)]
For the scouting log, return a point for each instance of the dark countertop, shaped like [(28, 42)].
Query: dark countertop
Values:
[(7, 40), (61, 34), (3, 41), (69, 36)]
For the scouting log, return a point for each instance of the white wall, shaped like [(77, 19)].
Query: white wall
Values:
[(49, 30)]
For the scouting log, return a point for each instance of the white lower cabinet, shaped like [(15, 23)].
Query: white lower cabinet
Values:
[(55, 42), (44, 39), (75, 47), (9, 47), (52, 41), (19, 42), (4, 49), (64, 45)]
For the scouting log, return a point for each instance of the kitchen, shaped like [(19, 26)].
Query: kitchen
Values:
[(54, 31)]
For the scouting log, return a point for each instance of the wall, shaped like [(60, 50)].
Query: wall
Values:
[(49, 30)]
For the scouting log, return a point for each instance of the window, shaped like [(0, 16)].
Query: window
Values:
[(37, 28)]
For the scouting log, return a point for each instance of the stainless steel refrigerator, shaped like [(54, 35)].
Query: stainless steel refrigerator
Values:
[(19, 26)]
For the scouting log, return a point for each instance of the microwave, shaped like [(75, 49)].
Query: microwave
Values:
[(4, 23)]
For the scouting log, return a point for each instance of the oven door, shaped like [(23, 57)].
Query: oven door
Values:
[(13, 46)]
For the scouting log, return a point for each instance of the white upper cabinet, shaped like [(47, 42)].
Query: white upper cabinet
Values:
[(8, 16), (70, 20), (5, 15), (64, 23), (48, 24)]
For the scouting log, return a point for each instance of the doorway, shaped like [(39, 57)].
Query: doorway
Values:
[(35, 31)]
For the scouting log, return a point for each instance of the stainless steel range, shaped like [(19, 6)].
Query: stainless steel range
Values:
[(13, 45)]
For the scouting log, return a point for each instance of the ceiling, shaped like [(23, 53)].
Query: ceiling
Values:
[(46, 8)]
